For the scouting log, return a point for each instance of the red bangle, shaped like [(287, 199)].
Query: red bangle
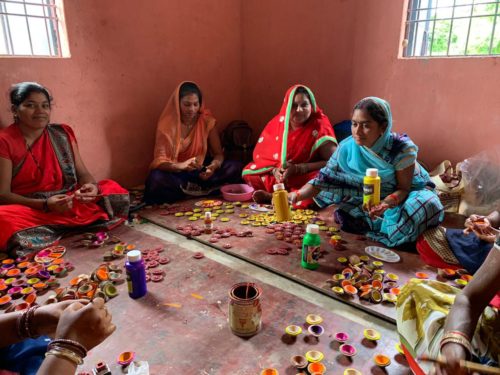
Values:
[(460, 334), (394, 197)]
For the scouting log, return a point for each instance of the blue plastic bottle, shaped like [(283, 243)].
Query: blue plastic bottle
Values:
[(136, 274)]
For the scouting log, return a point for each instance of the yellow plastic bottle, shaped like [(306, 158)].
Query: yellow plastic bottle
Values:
[(371, 187), (280, 203)]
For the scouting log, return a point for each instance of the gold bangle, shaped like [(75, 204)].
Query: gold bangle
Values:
[(456, 339), (65, 354)]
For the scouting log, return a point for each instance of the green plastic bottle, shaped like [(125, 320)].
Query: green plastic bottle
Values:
[(311, 247)]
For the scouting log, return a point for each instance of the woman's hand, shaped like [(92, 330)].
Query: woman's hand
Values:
[(189, 165), (451, 355), (292, 197), (278, 174), (376, 210), (60, 203), (207, 173), (290, 170), (47, 317), (481, 227), (87, 324), (87, 193)]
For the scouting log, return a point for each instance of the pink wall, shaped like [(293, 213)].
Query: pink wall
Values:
[(127, 58), (450, 106), (293, 41)]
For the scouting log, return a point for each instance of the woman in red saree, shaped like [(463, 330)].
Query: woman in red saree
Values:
[(45, 188), (293, 146)]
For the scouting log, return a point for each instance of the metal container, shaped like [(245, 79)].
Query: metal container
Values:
[(245, 311)]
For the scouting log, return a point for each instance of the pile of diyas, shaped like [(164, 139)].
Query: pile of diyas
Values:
[(23, 279), (365, 278)]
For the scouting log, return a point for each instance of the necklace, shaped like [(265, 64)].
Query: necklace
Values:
[(35, 160)]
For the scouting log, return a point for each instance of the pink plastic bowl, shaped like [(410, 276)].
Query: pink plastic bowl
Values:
[(237, 192)]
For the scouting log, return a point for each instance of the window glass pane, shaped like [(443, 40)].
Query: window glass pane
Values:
[(463, 11), (483, 9), (19, 34), (34, 10), (459, 36), (14, 8), (440, 38), (480, 36), (495, 48), (39, 36), (464, 2), (445, 9)]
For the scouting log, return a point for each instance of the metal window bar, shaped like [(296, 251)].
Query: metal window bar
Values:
[(413, 22), (51, 19)]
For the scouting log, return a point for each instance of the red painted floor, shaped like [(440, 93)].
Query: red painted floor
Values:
[(253, 249), (194, 338)]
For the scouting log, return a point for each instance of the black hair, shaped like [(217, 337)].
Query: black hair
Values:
[(188, 88), (20, 92), (302, 90), (374, 109)]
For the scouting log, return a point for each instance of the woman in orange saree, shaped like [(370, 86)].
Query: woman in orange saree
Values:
[(45, 188)]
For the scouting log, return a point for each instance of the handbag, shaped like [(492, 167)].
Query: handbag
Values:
[(449, 185)]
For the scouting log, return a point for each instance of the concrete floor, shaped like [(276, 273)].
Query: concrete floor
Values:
[(385, 328)]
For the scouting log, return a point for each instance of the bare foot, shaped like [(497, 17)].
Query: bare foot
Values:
[(262, 197)]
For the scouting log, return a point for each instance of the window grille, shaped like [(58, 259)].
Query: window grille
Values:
[(440, 28), (32, 28)]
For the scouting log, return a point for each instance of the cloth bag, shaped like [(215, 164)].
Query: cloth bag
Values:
[(449, 185)]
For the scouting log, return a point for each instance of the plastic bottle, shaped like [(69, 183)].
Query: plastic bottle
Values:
[(280, 203), (209, 224), (371, 187), (136, 274), (311, 247)]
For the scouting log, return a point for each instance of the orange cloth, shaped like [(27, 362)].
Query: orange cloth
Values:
[(169, 146)]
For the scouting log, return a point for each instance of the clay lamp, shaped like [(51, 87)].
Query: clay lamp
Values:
[(21, 306), (348, 350), (84, 289), (337, 278), (338, 290), (15, 291), (395, 291), (51, 299), (461, 283), (449, 273), (7, 261), (316, 368), (115, 277), (341, 337), (42, 274), (389, 297), (51, 269), (377, 264), (364, 258), (314, 356), (8, 266), (376, 296), (114, 268), (350, 290), (354, 260), (40, 286), (377, 284), (30, 298), (125, 358), (27, 290), (399, 348), (110, 290), (52, 282), (102, 274), (467, 278), (347, 272), (33, 281), (100, 294), (68, 295), (389, 285), (269, 371), (366, 295), (23, 265), (10, 280), (316, 330), (18, 282), (130, 247), (422, 275), (102, 236), (392, 277), (31, 271), (378, 276), (293, 330), (5, 301), (58, 261), (314, 319), (299, 361), (371, 334), (344, 283), (3, 289), (382, 360), (379, 271), (342, 260), (351, 371), (461, 272)]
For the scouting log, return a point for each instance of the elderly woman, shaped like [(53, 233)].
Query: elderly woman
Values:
[(45, 187), (435, 319), (408, 206), (186, 132), (293, 146)]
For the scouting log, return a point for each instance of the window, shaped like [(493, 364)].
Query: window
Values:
[(436, 28), (32, 28)]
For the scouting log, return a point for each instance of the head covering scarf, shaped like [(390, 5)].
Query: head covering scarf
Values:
[(278, 144), (169, 146)]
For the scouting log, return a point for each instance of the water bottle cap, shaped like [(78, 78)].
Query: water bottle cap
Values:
[(134, 255), (372, 172), (277, 187), (312, 228), (208, 215)]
